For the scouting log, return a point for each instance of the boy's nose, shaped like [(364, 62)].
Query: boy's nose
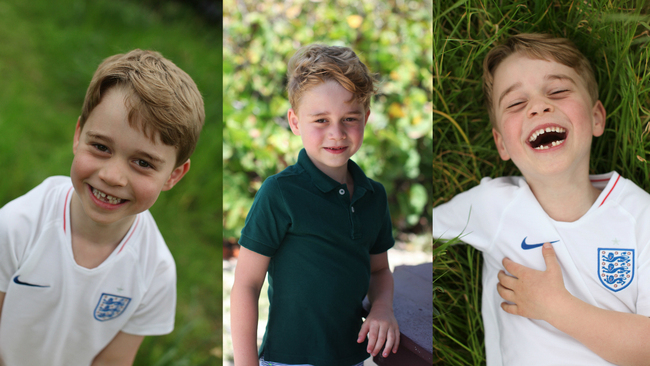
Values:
[(337, 132), (539, 107), (112, 174)]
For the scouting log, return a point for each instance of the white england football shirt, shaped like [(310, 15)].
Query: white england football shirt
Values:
[(605, 259), (56, 312)]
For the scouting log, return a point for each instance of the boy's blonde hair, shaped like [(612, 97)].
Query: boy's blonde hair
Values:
[(162, 99), (316, 63), (539, 47)]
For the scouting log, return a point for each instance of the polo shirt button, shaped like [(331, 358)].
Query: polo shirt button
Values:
[(341, 191), (352, 209)]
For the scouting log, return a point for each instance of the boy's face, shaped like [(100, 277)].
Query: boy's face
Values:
[(545, 116), (117, 171), (331, 129)]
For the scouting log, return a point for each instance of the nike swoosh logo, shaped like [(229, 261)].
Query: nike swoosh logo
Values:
[(16, 280), (526, 246)]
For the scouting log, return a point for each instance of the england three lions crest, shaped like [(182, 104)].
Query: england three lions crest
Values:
[(616, 268), (110, 307)]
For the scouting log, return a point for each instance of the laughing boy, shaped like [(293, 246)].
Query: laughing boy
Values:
[(568, 252), (84, 273)]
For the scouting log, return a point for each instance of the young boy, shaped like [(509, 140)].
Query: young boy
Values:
[(84, 271), (575, 247), (321, 228)]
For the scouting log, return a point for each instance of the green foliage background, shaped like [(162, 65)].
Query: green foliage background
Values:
[(393, 38), (613, 35), (48, 53)]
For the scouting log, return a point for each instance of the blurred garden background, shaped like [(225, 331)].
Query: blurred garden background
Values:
[(48, 53), (393, 38), (613, 35)]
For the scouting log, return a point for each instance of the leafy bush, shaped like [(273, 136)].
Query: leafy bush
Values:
[(392, 38)]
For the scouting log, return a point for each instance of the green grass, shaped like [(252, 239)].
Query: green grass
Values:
[(613, 35), (48, 53)]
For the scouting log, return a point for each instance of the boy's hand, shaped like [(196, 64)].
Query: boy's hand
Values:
[(533, 294), (380, 326)]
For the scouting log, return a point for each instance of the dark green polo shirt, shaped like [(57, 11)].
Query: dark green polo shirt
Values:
[(320, 242)]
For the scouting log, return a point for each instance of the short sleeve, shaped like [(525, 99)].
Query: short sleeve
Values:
[(155, 314), (474, 215), (268, 220), (8, 238), (385, 239), (19, 221)]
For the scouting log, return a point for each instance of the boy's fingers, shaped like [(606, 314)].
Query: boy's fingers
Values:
[(372, 338), (381, 339), (509, 308), (390, 339), (363, 332), (549, 257), (505, 280), (397, 336), (505, 293), (511, 266)]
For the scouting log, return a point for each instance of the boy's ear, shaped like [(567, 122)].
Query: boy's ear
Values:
[(293, 121), (77, 135), (176, 175), (599, 115), (367, 115), (501, 147)]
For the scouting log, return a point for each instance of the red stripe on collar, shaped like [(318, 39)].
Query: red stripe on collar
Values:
[(132, 231), (65, 208), (610, 191)]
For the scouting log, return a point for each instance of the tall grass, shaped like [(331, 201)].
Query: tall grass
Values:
[(614, 36)]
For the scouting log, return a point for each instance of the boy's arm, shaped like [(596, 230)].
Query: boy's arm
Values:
[(120, 352), (249, 277), (620, 338), (380, 325)]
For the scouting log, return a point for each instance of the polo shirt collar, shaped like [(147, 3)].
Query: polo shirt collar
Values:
[(324, 182)]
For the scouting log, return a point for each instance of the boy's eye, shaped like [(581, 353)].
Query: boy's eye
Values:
[(351, 119), (100, 147), (559, 92), (514, 105), (321, 120), (143, 164)]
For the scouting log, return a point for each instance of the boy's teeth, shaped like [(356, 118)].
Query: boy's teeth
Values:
[(553, 144), (105, 197), (542, 131)]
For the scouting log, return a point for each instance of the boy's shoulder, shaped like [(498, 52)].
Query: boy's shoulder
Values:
[(491, 195), (498, 189), (624, 193), (38, 202)]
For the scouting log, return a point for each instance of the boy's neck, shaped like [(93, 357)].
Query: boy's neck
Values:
[(93, 242), (565, 199)]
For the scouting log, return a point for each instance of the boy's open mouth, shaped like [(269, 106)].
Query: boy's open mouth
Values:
[(548, 137), (105, 197)]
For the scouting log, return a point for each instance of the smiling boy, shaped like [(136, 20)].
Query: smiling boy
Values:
[(84, 271), (321, 230), (568, 252)]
